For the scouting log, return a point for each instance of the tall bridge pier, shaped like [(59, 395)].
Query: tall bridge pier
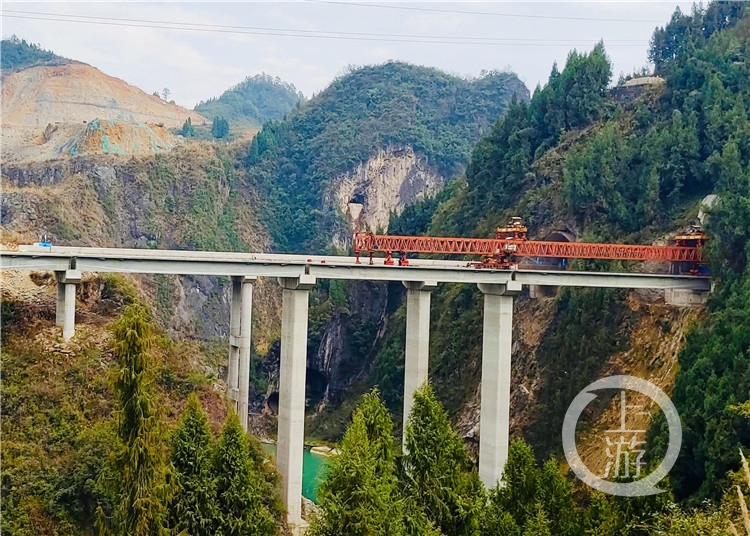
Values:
[(240, 328), (297, 275), (290, 442)]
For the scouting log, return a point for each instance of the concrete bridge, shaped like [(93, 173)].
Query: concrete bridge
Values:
[(297, 274)]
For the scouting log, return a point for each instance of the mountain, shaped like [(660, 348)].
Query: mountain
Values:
[(17, 54), (73, 108), (597, 165), (418, 122), (421, 152), (253, 102)]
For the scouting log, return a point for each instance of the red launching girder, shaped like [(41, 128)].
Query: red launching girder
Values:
[(503, 248)]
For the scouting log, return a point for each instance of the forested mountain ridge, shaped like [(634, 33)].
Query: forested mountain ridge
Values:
[(253, 102), (631, 172), (17, 54), (366, 110)]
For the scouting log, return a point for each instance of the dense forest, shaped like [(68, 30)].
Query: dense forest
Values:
[(16, 53), (290, 162), (253, 102), (433, 489)]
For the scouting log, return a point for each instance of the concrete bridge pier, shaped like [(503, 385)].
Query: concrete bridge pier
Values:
[(291, 431), (494, 420), (240, 328), (417, 350), (65, 312), (60, 306)]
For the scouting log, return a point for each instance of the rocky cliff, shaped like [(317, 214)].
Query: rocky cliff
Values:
[(188, 199), (383, 185)]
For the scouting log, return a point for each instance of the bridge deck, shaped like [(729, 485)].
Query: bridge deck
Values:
[(151, 261)]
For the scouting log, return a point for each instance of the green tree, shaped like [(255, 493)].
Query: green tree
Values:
[(538, 524), (555, 494), (269, 478), (138, 466), (188, 130), (18, 54), (714, 372), (238, 486), (612, 515), (254, 101), (438, 473), (360, 493), (532, 499), (518, 493), (193, 507), (220, 128)]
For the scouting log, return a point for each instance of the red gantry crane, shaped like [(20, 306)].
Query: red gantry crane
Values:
[(510, 245)]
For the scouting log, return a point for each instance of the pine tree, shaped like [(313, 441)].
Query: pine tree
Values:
[(525, 490), (139, 464), (238, 489), (360, 494), (518, 494), (220, 128), (555, 494), (188, 130), (438, 472), (194, 507), (538, 524)]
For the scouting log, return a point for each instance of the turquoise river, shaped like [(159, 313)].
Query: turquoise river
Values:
[(312, 470)]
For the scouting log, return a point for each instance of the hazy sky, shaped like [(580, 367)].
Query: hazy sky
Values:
[(198, 50)]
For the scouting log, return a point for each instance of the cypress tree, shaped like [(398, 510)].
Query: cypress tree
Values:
[(139, 488), (438, 473), (496, 522), (360, 494), (268, 479), (188, 130), (525, 490), (238, 489), (538, 524), (194, 508), (518, 495), (555, 494)]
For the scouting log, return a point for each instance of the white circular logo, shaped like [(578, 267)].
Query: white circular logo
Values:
[(622, 448)]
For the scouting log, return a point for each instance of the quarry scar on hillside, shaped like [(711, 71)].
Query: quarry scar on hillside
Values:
[(297, 274)]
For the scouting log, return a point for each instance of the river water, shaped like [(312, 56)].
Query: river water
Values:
[(313, 466)]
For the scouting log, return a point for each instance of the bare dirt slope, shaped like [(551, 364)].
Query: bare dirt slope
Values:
[(47, 112)]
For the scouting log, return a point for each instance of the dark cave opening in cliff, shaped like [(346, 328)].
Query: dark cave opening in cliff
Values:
[(315, 386), (273, 402)]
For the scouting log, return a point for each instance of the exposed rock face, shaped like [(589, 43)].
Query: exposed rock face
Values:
[(387, 182), (48, 112), (344, 353), (172, 204), (634, 88), (78, 92)]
